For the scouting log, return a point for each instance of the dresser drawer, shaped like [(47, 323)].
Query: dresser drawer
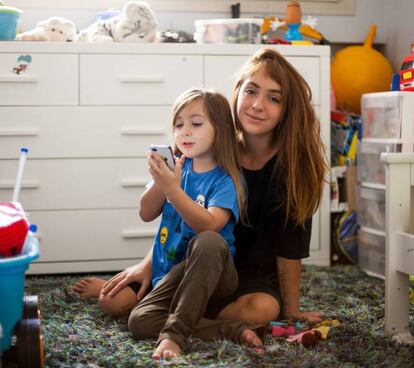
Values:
[(49, 79), (62, 132), (220, 73), (76, 184), (92, 235), (137, 79)]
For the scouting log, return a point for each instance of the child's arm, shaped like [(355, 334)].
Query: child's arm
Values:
[(194, 215), (151, 200), (151, 203), (289, 282)]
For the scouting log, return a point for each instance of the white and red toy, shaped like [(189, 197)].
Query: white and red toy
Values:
[(13, 228)]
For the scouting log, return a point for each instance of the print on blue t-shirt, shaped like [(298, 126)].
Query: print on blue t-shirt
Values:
[(213, 188)]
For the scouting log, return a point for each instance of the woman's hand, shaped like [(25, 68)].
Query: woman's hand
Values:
[(139, 273), (304, 316), (165, 179)]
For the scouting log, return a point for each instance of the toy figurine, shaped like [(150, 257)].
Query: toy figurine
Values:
[(407, 72), (293, 17)]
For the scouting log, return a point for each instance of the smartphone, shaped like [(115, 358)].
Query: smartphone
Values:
[(166, 154)]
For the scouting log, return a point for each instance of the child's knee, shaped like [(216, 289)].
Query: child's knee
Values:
[(140, 325), (208, 242)]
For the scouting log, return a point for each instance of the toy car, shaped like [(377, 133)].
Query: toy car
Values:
[(407, 72)]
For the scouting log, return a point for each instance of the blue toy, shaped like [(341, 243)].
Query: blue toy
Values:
[(18, 314)]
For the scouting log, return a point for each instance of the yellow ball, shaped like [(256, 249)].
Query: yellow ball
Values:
[(356, 70)]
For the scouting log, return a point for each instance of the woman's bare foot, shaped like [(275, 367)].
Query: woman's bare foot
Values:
[(250, 338), (166, 349), (89, 288)]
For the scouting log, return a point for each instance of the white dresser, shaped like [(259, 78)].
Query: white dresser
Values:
[(87, 113)]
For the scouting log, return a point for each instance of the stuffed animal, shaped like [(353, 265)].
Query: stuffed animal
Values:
[(51, 29), (136, 23)]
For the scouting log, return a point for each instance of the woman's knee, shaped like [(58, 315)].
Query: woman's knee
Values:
[(116, 306), (257, 308)]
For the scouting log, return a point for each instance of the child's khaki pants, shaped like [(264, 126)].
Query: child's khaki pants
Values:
[(174, 309)]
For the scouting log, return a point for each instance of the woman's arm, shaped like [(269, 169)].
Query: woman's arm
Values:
[(289, 282), (140, 272)]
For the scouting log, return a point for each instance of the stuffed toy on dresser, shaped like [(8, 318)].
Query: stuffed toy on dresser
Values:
[(136, 23), (51, 29)]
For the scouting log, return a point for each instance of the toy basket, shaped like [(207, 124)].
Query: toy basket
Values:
[(12, 276)]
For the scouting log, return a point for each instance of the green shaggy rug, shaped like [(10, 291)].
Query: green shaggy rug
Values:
[(76, 334)]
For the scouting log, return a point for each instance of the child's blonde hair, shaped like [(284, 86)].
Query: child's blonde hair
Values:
[(218, 111), (301, 159)]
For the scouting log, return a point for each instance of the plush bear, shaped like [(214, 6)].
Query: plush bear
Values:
[(51, 29), (136, 23)]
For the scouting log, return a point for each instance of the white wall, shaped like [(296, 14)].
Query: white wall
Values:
[(334, 28), (399, 29)]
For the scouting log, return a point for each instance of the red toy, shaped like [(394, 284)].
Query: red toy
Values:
[(407, 72), (13, 229)]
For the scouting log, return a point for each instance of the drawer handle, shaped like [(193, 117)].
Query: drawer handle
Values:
[(130, 183), (143, 79), (19, 133), (25, 185), (138, 234), (13, 79), (140, 131)]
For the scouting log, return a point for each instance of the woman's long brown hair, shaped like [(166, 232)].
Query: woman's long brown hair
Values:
[(218, 111), (301, 156)]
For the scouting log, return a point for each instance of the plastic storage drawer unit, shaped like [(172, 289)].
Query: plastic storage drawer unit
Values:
[(370, 168), (371, 252), (371, 208)]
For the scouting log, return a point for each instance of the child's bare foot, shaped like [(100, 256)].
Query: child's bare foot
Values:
[(166, 349), (250, 338), (89, 288)]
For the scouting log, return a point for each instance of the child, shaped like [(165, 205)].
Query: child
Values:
[(191, 264)]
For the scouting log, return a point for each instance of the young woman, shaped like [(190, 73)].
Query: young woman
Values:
[(284, 165), (191, 264)]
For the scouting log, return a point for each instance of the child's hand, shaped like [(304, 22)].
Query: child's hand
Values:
[(165, 179)]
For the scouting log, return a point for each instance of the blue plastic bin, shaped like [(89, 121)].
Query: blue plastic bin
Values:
[(12, 276), (9, 20)]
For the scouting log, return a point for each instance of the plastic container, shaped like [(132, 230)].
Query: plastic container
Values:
[(12, 276), (370, 168), (371, 252), (371, 208), (238, 30), (9, 21)]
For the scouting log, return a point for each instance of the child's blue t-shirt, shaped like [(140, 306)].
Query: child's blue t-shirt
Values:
[(213, 188)]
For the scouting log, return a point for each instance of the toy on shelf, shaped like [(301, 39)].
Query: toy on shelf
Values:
[(18, 314), (407, 72), (295, 27), (356, 70), (136, 23), (51, 29)]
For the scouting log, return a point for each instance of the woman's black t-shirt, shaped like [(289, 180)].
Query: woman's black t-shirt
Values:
[(267, 233)]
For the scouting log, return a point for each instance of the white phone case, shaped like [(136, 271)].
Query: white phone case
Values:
[(166, 154)]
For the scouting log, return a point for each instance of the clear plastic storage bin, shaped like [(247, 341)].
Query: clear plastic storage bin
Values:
[(371, 252), (239, 30), (371, 208), (370, 168), (381, 115)]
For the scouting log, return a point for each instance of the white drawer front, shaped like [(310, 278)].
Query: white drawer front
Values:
[(59, 132), (49, 79), (137, 79), (222, 71), (92, 235), (76, 184)]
